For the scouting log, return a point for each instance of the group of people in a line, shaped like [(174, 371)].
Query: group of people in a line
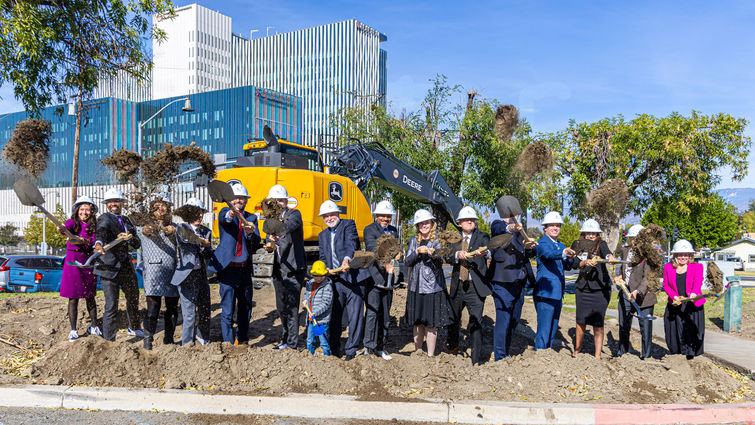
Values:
[(177, 257)]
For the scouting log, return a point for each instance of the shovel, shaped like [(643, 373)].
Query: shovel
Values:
[(621, 284), (317, 329), (97, 255), (221, 191), (701, 296), (30, 196), (508, 207), (496, 242)]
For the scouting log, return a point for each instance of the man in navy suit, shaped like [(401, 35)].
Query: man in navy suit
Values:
[(510, 270), (552, 259), (191, 275), (337, 245), (233, 264)]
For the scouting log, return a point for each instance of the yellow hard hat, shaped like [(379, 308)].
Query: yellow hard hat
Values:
[(318, 269)]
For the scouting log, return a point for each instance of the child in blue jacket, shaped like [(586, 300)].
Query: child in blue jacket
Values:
[(318, 298)]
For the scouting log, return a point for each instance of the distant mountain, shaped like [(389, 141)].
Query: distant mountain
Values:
[(740, 198)]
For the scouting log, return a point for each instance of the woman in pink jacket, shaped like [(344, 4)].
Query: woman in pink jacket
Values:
[(684, 324)]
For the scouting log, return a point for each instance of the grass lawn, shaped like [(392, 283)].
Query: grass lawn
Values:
[(714, 314)]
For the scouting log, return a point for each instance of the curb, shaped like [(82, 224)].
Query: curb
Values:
[(348, 407)]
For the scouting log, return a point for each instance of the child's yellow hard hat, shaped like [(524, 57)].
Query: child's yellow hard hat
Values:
[(318, 269)]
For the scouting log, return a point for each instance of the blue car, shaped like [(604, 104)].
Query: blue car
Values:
[(30, 273), (137, 267)]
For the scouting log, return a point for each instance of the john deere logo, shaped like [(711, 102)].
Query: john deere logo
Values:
[(335, 192)]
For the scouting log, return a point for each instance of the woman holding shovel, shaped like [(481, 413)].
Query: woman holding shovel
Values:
[(593, 286), (79, 282), (684, 324), (427, 303)]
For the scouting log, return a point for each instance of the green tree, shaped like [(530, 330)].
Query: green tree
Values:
[(672, 160), (748, 221), (33, 232), (751, 207), (8, 235), (711, 223), (52, 51), (569, 232)]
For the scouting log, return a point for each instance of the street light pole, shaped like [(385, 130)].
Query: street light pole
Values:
[(186, 108)]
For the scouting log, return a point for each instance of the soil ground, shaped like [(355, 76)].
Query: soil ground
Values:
[(39, 323)]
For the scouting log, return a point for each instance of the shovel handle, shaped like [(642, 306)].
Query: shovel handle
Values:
[(522, 232), (338, 270), (241, 216), (56, 222), (306, 306)]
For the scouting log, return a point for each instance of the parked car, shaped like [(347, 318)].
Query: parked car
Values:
[(30, 273), (135, 259), (739, 265)]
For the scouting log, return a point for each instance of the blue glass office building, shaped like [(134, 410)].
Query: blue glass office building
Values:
[(221, 122)]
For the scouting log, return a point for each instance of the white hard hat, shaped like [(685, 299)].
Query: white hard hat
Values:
[(682, 246), (384, 208), (422, 215), (114, 194), (328, 207), (239, 190), (84, 200), (196, 202), (590, 226), (467, 212), (552, 217), (634, 230), (277, 192)]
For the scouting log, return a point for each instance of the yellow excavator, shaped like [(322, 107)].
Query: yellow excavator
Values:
[(300, 169)]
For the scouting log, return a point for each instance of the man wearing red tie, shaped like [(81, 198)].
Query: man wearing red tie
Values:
[(233, 264)]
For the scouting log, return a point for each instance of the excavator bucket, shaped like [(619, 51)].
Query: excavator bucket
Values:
[(508, 206)]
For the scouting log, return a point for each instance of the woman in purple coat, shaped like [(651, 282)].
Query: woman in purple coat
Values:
[(78, 282)]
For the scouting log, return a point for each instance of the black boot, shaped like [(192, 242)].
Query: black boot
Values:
[(147, 340), (170, 330)]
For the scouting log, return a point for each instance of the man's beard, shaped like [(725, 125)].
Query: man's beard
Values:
[(334, 224)]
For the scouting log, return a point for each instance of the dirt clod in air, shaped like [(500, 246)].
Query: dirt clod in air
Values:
[(608, 201), (506, 120), (715, 277), (124, 163), (274, 227), (362, 259), (387, 248), (449, 237), (535, 159), (271, 208), (644, 249), (164, 166), (28, 146), (189, 213)]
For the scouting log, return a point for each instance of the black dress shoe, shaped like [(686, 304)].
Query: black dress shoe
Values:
[(349, 357)]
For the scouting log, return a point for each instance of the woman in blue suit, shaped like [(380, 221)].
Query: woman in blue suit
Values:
[(552, 259)]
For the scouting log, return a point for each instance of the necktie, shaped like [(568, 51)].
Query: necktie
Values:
[(239, 238), (463, 270), (120, 220), (333, 258)]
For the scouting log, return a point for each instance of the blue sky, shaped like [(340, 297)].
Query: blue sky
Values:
[(555, 60)]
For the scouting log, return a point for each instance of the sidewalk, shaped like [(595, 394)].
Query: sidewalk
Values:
[(735, 353)]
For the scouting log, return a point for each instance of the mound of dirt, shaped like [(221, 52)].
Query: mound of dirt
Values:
[(542, 376), (28, 146)]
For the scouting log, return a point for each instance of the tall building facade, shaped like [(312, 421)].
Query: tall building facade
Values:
[(329, 66)]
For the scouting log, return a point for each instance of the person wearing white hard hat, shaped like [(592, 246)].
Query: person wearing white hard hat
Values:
[(427, 303), (233, 264), (684, 324), (114, 267), (510, 272), (78, 282), (289, 270), (159, 258), (337, 244), (190, 276), (553, 258), (593, 285), (623, 273), (469, 283), (378, 298)]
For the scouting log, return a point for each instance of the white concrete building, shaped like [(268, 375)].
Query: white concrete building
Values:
[(744, 249)]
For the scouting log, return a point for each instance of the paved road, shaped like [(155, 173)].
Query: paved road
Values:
[(44, 416)]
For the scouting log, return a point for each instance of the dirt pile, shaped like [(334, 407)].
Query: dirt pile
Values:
[(544, 376), (28, 146), (536, 158), (505, 122)]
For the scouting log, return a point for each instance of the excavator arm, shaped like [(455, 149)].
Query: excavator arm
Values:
[(363, 162)]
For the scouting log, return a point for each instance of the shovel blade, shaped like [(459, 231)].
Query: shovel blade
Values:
[(500, 241), (318, 330), (508, 206), (77, 264), (28, 194), (220, 191)]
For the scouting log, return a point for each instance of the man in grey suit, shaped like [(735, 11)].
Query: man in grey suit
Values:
[(194, 246), (290, 268)]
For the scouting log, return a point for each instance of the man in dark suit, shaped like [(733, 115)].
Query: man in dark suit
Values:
[(337, 245), (233, 264), (289, 270), (510, 270), (191, 276), (114, 267), (377, 317), (469, 283)]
